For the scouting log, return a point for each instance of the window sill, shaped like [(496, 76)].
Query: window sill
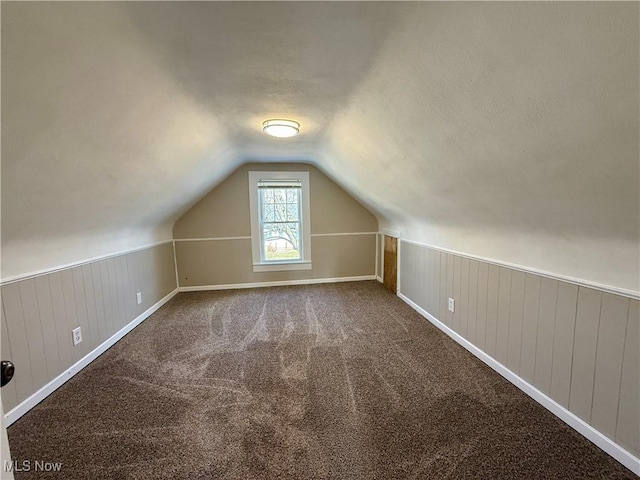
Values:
[(281, 266)]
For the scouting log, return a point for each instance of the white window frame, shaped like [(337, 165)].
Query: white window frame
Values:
[(259, 264)]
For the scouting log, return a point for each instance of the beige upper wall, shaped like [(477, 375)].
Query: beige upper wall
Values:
[(224, 212)]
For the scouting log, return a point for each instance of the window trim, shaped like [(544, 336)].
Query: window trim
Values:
[(256, 248)]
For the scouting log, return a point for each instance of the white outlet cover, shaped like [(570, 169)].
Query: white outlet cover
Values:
[(77, 335), (452, 305), (139, 297)]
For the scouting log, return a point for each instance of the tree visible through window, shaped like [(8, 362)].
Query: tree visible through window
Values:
[(280, 221)]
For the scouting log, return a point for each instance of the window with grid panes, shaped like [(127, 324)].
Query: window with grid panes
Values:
[(280, 225), (280, 220)]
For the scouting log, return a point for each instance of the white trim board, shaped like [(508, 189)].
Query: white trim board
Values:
[(390, 233), (66, 266), (381, 252), (554, 276), (209, 239), (216, 239), (579, 425), (308, 281), (281, 266), (346, 234), (377, 255), (26, 405), (175, 264), (399, 266)]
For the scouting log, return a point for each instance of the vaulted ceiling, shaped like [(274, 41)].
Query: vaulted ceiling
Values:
[(506, 130)]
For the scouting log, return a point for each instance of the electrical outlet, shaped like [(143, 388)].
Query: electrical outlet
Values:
[(452, 305), (77, 336), (139, 297)]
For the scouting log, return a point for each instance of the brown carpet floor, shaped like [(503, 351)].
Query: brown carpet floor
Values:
[(337, 381)]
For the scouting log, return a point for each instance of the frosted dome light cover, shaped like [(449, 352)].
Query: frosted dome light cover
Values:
[(281, 128)]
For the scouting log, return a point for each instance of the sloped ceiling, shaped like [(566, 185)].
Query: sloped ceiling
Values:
[(503, 130)]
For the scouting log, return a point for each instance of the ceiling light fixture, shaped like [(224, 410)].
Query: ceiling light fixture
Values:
[(281, 128)]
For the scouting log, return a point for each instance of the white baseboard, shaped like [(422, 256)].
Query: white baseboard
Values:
[(18, 411), (282, 283), (379, 278), (593, 435)]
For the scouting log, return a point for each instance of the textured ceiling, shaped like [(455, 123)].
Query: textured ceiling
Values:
[(508, 130)]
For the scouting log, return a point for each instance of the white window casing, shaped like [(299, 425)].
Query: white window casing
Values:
[(266, 180)]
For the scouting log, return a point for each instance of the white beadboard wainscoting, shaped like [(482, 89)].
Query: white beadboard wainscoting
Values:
[(39, 312), (573, 348)]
